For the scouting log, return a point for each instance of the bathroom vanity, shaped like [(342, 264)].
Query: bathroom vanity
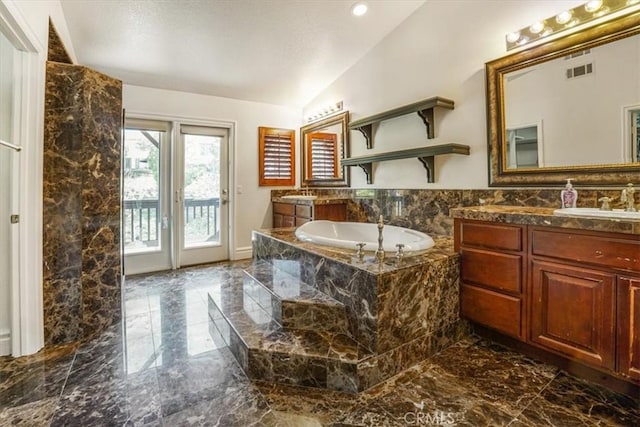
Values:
[(292, 212), (566, 286)]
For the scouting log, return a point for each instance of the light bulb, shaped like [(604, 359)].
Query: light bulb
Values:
[(359, 9), (564, 17), (513, 37), (536, 27), (593, 5)]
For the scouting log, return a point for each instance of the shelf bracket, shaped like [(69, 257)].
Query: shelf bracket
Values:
[(366, 167), (429, 165), (366, 131), (427, 118)]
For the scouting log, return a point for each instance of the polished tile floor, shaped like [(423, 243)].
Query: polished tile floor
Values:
[(160, 367)]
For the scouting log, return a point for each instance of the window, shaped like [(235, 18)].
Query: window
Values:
[(277, 156)]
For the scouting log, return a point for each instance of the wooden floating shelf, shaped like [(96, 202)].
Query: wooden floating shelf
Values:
[(424, 109), (424, 154)]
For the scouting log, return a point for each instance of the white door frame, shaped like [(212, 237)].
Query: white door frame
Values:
[(27, 327), (231, 126)]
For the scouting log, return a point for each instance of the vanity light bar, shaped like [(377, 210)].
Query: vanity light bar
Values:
[(327, 111), (568, 19)]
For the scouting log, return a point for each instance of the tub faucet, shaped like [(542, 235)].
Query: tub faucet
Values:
[(627, 197), (400, 252), (380, 251)]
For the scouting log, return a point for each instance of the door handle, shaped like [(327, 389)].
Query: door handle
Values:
[(225, 196)]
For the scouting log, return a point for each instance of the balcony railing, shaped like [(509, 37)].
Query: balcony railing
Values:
[(142, 223)]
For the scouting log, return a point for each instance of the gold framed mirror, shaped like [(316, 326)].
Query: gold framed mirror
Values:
[(569, 108), (324, 143)]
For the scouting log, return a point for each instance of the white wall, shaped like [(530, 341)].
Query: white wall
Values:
[(252, 207), (440, 50)]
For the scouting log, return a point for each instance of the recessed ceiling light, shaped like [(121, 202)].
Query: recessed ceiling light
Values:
[(359, 9)]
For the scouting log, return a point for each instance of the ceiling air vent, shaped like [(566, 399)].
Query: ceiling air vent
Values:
[(577, 54), (581, 70)]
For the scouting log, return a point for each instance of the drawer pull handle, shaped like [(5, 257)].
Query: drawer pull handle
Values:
[(599, 253)]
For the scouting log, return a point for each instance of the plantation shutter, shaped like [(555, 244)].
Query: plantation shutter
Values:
[(323, 162), (277, 156)]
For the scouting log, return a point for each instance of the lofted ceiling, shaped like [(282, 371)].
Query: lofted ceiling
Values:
[(274, 51)]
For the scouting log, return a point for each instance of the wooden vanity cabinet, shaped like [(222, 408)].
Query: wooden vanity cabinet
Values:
[(492, 273), (629, 326), (577, 294), (295, 214)]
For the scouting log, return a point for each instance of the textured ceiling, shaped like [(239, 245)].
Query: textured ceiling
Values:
[(275, 51)]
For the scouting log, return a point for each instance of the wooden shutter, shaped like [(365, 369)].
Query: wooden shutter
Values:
[(277, 156), (323, 161)]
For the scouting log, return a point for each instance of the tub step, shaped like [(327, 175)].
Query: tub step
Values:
[(275, 285), (267, 351)]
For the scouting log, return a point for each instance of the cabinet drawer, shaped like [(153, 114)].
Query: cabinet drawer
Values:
[(284, 209), (494, 310), (500, 271), (598, 250), (300, 221), (303, 211), (503, 237)]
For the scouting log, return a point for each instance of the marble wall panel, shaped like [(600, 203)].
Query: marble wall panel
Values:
[(56, 51), (81, 205)]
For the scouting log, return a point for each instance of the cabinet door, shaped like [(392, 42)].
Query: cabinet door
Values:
[(573, 311), (278, 220), (629, 327)]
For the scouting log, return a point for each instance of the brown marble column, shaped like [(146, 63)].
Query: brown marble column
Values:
[(82, 149)]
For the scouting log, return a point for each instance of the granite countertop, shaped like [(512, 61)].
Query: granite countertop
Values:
[(544, 216), (321, 200)]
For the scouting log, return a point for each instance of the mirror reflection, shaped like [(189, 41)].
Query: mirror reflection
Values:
[(578, 104), (324, 143), (568, 108)]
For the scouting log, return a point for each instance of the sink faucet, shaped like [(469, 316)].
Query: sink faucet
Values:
[(380, 251), (627, 197), (605, 203)]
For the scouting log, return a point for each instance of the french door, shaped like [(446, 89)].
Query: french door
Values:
[(175, 210)]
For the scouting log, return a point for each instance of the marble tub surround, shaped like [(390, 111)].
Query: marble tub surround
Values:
[(544, 217), (81, 208), (159, 367), (401, 312)]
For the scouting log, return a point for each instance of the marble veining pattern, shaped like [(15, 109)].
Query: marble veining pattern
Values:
[(81, 208), (160, 367)]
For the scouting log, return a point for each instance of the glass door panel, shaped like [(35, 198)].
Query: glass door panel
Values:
[(141, 204), (201, 190)]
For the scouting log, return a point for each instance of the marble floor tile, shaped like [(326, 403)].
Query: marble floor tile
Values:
[(161, 367), (570, 401)]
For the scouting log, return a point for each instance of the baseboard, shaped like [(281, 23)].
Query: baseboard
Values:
[(243, 253), (5, 344)]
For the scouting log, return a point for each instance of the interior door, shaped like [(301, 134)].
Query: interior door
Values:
[(201, 195), (146, 207)]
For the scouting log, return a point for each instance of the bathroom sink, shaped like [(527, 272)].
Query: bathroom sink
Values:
[(299, 197), (597, 213)]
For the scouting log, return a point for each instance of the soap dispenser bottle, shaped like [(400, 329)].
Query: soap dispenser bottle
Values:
[(568, 196)]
